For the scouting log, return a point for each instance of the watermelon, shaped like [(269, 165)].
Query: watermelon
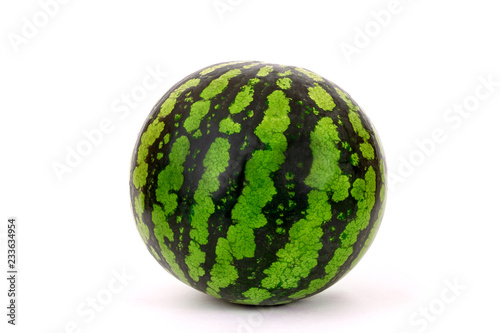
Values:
[(257, 183)]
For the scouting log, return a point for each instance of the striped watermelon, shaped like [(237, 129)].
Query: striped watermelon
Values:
[(257, 183)]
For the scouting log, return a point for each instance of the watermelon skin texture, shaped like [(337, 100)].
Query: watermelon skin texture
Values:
[(257, 183)]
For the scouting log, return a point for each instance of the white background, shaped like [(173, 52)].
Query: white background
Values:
[(75, 233)]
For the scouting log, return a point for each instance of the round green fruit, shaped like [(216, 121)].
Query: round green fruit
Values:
[(257, 183)]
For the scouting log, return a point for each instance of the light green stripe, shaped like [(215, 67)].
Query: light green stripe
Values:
[(259, 190), (218, 85), (367, 150), (355, 159), (354, 117), (244, 97), (223, 273), (288, 72), (155, 254), (228, 126), (373, 231), (161, 231), (198, 111), (300, 254), (376, 226), (347, 100), (325, 155), (264, 71), (168, 106), (215, 162), (322, 98), (358, 126), (201, 108), (364, 192), (171, 178), (284, 83), (251, 65), (255, 296), (153, 131), (211, 69), (162, 228), (325, 173), (310, 74), (170, 181), (139, 210)]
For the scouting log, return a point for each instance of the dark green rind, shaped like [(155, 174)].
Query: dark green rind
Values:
[(288, 205)]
